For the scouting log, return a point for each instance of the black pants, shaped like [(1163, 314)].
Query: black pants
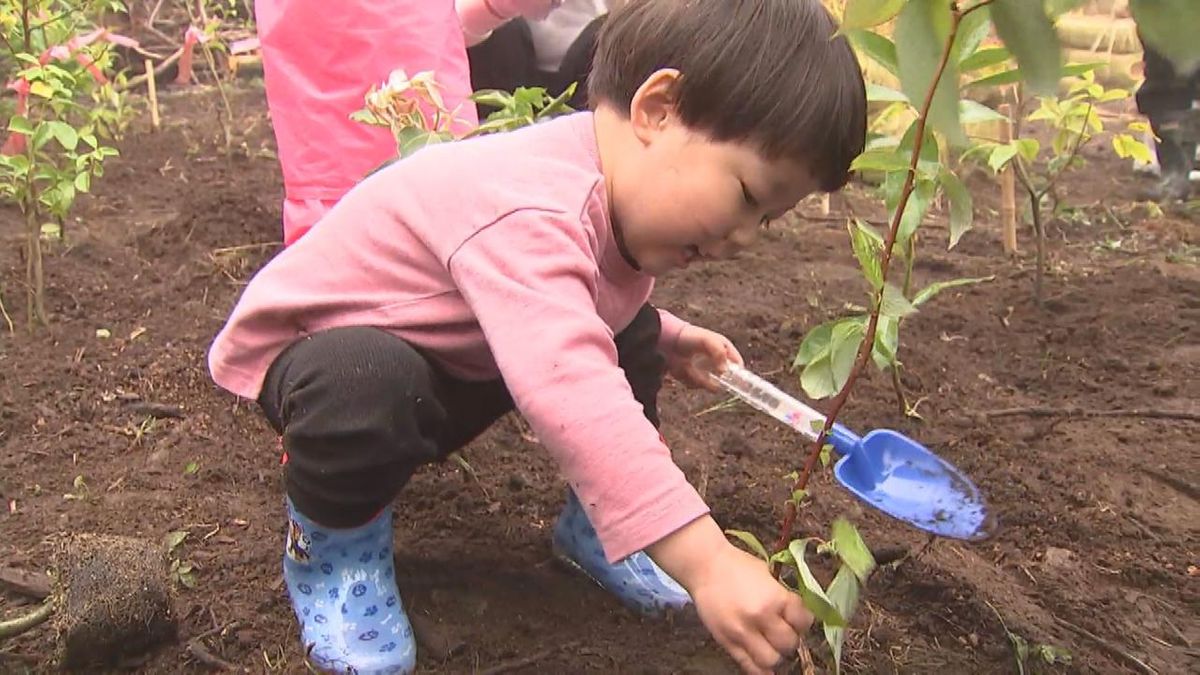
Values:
[(1165, 97), (360, 410), (507, 60)]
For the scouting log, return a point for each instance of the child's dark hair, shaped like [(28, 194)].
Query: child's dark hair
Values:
[(765, 71)]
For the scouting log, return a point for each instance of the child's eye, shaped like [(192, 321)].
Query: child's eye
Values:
[(750, 200)]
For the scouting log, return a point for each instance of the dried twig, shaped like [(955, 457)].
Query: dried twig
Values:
[(134, 82), (1046, 411), (156, 410), (203, 655), (806, 660), (1108, 646)]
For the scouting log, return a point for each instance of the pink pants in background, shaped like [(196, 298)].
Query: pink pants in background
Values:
[(319, 60)]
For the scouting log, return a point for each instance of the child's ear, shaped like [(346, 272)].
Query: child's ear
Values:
[(653, 107)]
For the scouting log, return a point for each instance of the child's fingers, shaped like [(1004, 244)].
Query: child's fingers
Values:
[(781, 635), (799, 618), (733, 354), (762, 654)]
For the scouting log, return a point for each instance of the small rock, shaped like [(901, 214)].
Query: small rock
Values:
[(1057, 557), (973, 639), (517, 482)]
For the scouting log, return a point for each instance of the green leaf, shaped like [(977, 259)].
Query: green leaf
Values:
[(868, 252), (973, 30), (887, 342), (815, 344), (962, 207), (41, 136), (815, 599), (933, 289), (817, 378), (915, 210), (1052, 655), (1028, 148), (852, 549), (843, 349), (881, 94), (973, 112), (1011, 76), (1030, 36), (894, 303), (83, 181), (1169, 26), (1001, 156), (41, 89), (65, 134), (880, 160), (20, 125), (751, 542), (173, 540), (191, 469), (984, 58), (1127, 146), (929, 148), (878, 48), (869, 13), (826, 454), (921, 32), (843, 593)]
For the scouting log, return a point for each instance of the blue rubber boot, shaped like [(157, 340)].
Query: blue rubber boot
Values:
[(343, 588), (637, 581)]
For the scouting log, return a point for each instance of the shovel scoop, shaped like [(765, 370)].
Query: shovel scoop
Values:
[(885, 469)]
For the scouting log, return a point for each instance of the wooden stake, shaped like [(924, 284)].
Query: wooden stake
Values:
[(1008, 190), (152, 88)]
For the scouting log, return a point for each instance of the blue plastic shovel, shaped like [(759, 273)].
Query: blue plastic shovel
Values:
[(885, 469)]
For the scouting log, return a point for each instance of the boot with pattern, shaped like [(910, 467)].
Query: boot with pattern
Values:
[(343, 588), (637, 581)]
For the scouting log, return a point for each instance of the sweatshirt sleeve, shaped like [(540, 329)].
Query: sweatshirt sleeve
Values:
[(531, 280), (481, 17)]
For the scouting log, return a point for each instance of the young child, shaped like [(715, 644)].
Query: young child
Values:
[(513, 271)]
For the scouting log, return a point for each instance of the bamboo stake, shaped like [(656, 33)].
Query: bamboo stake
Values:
[(152, 88), (1008, 190)]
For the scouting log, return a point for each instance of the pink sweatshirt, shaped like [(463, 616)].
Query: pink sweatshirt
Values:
[(516, 276)]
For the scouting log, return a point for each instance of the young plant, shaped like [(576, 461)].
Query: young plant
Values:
[(415, 112), (833, 605), (935, 39), (1074, 122), (55, 145)]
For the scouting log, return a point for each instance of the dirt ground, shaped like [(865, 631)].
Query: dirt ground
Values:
[(1100, 527)]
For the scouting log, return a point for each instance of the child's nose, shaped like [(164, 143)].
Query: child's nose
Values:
[(745, 236)]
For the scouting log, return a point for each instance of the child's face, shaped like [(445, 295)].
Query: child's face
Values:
[(680, 197)]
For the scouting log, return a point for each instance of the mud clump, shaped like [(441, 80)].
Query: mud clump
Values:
[(114, 600)]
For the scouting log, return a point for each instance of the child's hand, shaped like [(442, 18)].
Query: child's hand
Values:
[(754, 617), (700, 342)]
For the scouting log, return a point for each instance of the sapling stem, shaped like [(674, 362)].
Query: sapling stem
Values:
[(864, 350)]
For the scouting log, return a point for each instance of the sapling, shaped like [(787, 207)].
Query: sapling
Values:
[(1074, 122), (55, 145)]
